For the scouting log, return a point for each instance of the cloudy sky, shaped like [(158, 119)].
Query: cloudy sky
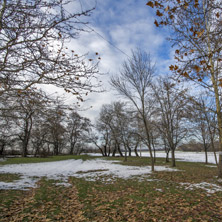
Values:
[(127, 25)]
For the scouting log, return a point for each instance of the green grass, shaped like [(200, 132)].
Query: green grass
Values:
[(138, 161), (155, 197), (8, 177), (19, 160)]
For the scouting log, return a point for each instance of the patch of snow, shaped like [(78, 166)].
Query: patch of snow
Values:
[(185, 156), (61, 170), (208, 187), (2, 159), (63, 184), (210, 166), (160, 190), (180, 156), (24, 183), (219, 180)]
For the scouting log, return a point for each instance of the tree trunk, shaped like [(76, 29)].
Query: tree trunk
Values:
[(135, 150), (167, 156), (2, 147), (206, 156), (213, 147), (56, 148), (71, 148), (129, 150), (218, 106), (24, 148), (119, 150), (125, 158), (114, 152), (219, 121), (154, 152), (105, 150), (148, 143), (109, 151), (205, 150), (101, 150), (173, 158)]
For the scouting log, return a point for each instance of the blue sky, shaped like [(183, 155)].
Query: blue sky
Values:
[(127, 25)]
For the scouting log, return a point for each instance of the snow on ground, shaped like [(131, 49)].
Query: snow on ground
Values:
[(61, 170), (180, 156), (208, 187)]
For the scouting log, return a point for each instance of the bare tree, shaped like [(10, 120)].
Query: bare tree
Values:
[(205, 118), (107, 117), (77, 128), (25, 108), (134, 84), (172, 109), (55, 123)]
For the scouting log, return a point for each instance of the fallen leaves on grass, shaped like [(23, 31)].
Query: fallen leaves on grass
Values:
[(52, 204)]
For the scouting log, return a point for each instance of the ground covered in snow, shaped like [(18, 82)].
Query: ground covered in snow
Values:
[(180, 156), (61, 170)]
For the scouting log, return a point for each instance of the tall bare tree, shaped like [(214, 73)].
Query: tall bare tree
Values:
[(171, 111), (205, 118), (24, 109), (134, 83)]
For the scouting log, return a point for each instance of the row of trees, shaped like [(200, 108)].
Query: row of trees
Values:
[(38, 125), (159, 113)]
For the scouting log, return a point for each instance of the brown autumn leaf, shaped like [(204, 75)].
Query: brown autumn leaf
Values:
[(156, 23), (158, 13), (176, 58), (185, 74), (218, 14), (202, 62), (177, 51), (176, 67), (186, 5), (150, 4), (171, 67), (196, 4), (171, 16), (157, 4), (199, 34), (167, 8), (197, 68)]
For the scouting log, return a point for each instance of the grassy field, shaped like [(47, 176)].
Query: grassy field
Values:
[(18, 160), (156, 197)]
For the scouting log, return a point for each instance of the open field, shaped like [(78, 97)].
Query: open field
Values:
[(109, 189)]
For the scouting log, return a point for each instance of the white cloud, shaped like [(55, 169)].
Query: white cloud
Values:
[(127, 25)]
